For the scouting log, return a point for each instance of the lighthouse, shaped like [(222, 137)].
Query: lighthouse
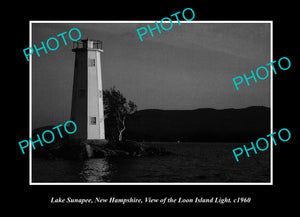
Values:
[(87, 102)]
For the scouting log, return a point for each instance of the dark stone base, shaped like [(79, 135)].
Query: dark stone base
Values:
[(77, 149)]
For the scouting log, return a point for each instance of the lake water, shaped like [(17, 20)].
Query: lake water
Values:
[(191, 162)]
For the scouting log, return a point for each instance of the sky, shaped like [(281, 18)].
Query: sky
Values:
[(190, 66)]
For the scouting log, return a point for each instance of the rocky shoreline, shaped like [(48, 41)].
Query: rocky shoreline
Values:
[(128, 148), (87, 149)]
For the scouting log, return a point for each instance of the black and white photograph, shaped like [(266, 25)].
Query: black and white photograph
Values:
[(113, 106), (131, 106)]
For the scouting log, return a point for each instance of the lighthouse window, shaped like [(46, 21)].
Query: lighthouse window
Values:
[(91, 62), (81, 93), (93, 120)]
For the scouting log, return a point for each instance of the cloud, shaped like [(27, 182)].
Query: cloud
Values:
[(110, 28), (243, 40)]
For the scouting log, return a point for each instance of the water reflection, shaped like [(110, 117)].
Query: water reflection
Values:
[(191, 162), (95, 170)]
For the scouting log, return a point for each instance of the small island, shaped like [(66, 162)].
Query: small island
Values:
[(116, 110)]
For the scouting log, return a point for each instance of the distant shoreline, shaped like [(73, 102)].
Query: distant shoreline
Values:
[(175, 143)]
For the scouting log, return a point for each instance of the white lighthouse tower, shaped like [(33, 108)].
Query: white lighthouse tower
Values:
[(87, 103)]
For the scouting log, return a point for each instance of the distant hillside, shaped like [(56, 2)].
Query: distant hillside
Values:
[(200, 125)]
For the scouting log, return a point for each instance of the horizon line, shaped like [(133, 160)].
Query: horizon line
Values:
[(204, 108)]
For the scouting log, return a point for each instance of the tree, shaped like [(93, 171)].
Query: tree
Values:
[(116, 109)]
